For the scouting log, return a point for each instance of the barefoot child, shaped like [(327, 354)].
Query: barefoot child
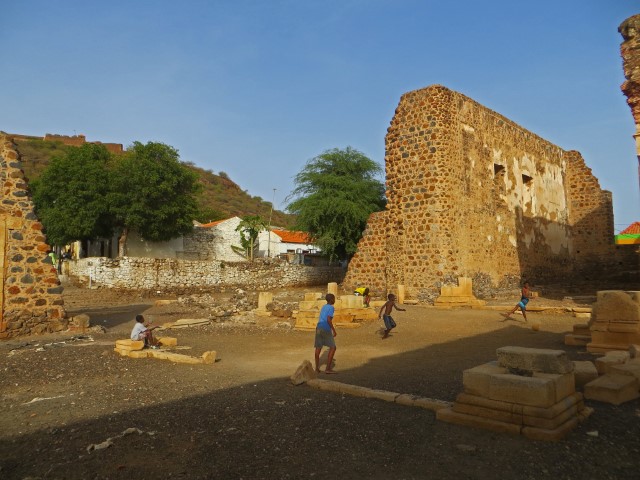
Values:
[(522, 304), (142, 331), (325, 331), (386, 316)]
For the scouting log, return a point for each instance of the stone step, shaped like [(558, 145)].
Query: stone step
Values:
[(613, 388)]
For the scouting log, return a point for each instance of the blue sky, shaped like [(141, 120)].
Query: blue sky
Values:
[(257, 88)]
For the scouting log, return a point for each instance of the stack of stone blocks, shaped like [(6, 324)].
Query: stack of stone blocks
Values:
[(136, 349), (617, 378), (457, 296), (527, 391), (349, 310)]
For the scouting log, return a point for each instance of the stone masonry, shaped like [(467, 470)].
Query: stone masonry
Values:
[(31, 296), (630, 51), (472, 194)]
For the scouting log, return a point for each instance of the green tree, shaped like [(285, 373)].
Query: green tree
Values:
[(153, 193), (249, 228), (70, 195), (333, 197)]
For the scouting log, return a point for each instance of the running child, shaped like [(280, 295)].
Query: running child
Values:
[(389, 305)]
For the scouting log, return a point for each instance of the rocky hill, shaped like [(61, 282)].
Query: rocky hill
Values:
[(220, 198)]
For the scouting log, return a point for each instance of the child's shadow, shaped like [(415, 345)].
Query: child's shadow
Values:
[(323, 360), (381, 331)]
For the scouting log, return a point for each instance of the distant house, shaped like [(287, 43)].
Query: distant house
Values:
[(287, 242), (214, 241), (630, 235), (217, 240)]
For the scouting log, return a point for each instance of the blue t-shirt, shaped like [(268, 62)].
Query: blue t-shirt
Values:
[(325, 312)]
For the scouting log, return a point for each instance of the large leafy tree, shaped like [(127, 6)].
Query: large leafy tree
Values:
[(334, 195), (153, 193), (249, 228), (70, 195)]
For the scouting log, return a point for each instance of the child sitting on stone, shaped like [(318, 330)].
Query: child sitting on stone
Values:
[(142, 331)]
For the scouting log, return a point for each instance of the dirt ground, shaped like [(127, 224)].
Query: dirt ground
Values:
[(241, 419)]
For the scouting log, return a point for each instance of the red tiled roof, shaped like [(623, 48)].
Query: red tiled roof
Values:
[(633, 229), (293, 237)]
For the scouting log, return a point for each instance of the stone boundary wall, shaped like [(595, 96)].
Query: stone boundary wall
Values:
[(176, 275), (31, 296)]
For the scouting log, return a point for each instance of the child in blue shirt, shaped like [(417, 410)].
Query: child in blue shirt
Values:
[(325, 331)]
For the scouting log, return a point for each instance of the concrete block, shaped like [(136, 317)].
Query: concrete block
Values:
[(168, 341), (612, 388), (534, 359), (488, 403), (130, 344), (603, 364), (308, 305), (534, 391), (303, 373), (449, 416), (581, 329), (632, 369), (139, 354), (624, 327), (634, 351), (498, 415), (554, 435), (551, 423), (353, 390), (584, 372), (616, 305), (581, 309), (312, 296), (564, 385), (576, 340), (556, 409), (382, 395), (209, 357), (431, 404), (582, 315), (476, 380)]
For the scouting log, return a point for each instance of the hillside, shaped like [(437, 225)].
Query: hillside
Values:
[(220, 197)]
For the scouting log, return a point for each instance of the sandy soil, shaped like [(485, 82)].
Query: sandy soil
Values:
[(240, 418)]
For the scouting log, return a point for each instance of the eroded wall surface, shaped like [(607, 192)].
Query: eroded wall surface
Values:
[(630, 52), (471, 193), (31, 296)]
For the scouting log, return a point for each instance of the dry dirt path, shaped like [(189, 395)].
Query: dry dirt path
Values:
[(239, 418)]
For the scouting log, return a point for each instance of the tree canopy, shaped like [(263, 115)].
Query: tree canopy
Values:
[(333, 197), (70, 195), (88, 194), (153, 193)]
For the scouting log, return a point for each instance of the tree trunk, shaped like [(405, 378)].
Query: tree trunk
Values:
[(122, 242)]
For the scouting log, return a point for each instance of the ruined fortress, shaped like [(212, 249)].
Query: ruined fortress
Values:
[(471, 193), (31, 294)]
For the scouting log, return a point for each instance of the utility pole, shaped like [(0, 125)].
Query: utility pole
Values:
[(270, 215)]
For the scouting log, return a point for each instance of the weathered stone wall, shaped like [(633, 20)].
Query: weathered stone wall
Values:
[(31, 295), (630, 51), (471, 193), (174, 275)]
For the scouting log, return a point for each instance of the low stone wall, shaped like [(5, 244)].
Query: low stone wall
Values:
[(176, 275)]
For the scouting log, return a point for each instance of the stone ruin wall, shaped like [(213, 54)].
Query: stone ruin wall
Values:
[(630, 52), (471, 193), (31, 296)]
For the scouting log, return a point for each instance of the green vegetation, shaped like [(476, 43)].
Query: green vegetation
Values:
[(334, 195), (89, 193), (70, 195), (218, 198), (152, 193), (249, 228)]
